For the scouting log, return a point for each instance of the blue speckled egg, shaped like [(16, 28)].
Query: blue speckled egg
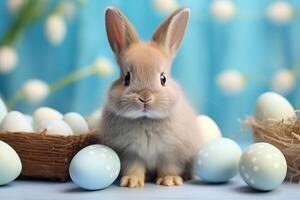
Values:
[(218, 160), (263, 166), (3, 110), (95, 167)]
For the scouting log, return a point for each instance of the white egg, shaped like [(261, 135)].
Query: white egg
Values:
[(263, 166), (271, 105), (93, 120), (10, 164), (208, 128), (76, 122), (45, 113), (15, 121), (3, 110), (55, 127), (29, 119)]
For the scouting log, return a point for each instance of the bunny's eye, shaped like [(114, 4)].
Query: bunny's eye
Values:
[(127, 79), (163, 79)]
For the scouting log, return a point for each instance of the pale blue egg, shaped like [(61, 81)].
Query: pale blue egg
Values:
[(271, 105), (95, 167), (263, 166), (218, 160), (3, 110), (10, 164)]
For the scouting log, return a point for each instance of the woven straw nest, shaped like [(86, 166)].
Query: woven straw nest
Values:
[(285, 135), (47, 156)]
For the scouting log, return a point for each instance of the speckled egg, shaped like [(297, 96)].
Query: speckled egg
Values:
[(76, 122), (15, 121), (209, 130), (3, 110), (218, 160), (271, 105), (55, 127), (263, 166), (95, 167), (10, 164)]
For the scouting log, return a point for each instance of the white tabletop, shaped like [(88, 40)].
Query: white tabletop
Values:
[(235, 189)]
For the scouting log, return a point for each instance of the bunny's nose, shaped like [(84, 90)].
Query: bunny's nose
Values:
[(145, 96), (145, 100)]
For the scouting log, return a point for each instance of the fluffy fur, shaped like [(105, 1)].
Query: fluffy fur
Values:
[(160, 136)]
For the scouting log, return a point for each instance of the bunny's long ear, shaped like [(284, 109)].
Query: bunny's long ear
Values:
[(170, 33), (120, 32)]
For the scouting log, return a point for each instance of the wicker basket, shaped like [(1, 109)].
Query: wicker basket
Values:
[(285, 135), (46, 156)]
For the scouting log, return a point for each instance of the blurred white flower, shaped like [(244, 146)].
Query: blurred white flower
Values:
[(231, 81), (35, 90), (55, 29), (14, 6), (280, 12), (68, 9), (223, 10), (103, 66), (283, 81), (165, 6), (8, 59)]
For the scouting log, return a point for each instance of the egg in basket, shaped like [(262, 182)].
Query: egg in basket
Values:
[(46, 142)]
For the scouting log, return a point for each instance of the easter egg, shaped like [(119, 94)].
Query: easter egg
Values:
[(3, 110), (55, 127), (218, 160), (10, 164), (76, 122), (29, 119), (94, 119), (271, 105), (15, 121), (45, 113), (95, 167), (263, 166), (208, 128)]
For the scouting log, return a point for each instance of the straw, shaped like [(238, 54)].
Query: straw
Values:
[(285, 135)]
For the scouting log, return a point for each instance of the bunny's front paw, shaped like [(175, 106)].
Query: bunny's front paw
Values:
[(169, 180), (132, 181)]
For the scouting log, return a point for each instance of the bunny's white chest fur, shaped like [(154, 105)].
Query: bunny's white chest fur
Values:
[(149, 143), (154, 142), (141, 139)]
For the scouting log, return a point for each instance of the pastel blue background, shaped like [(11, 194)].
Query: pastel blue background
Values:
[(250, 43)]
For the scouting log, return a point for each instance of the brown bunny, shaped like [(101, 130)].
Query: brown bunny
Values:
[(147, 119)]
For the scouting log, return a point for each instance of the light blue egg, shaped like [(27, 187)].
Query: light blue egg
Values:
[(95, 167), (218, 160), (3, 110), (263, 166), (10, 164), (271, 105)]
